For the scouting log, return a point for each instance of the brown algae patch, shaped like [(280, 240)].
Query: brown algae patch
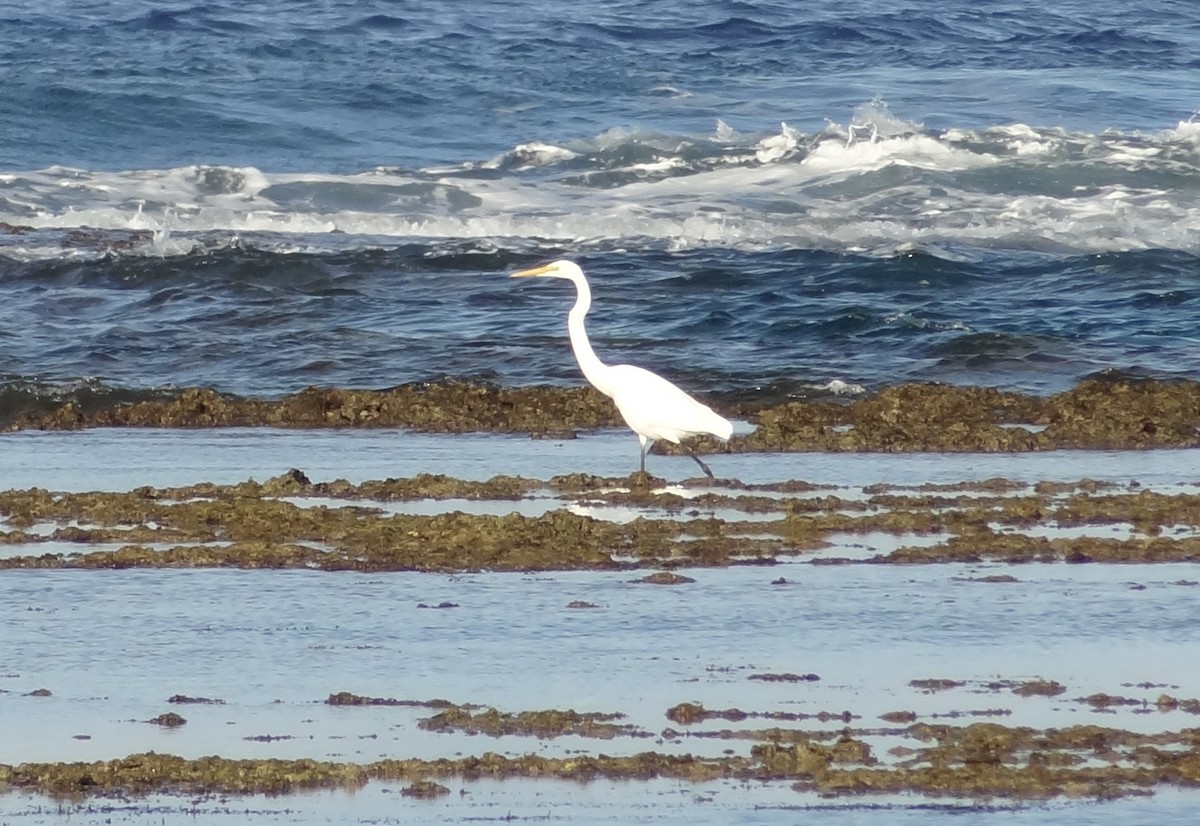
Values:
[(1032, 687), (992, 760), (292, 522), (346, 698), (977, 761), (1018, 548), (150, 773), (923, 417), (1101, 700), (688, 714), (295, 483), (787, 677), (155, 773), (541, 724), (245, 526), (421, 486), (1040, 688), (665, 578), (1166, 702), (1095, 414), (451, 406), (168, 720), (183, 699), (932, 684), (1147, 511), (425, 789)]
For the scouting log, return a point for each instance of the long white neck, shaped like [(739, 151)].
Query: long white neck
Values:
[(594, 370)]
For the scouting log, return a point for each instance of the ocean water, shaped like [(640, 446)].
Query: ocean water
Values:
[(767, 196), (111, 646)]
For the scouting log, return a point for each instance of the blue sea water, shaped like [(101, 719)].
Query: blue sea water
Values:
[(767, 196)]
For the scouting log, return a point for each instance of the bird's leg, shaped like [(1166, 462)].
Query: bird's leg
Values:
[(641, 479), (707, 470)]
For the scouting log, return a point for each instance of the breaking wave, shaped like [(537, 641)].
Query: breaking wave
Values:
[(875, 185)]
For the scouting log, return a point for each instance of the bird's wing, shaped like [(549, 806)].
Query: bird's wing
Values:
[(657, 409)]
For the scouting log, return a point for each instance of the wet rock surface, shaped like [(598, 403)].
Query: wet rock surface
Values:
[(290, 521), (346, 698), (785, 678), (977, 761), (427, 789), (449, 407), (1044, 688), (244, 526), (541, 724), (1096, 414), (168, 720)]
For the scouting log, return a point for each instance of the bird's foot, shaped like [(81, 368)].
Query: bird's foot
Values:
[(704, 467)]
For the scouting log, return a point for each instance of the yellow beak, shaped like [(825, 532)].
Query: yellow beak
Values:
[(531, 272)]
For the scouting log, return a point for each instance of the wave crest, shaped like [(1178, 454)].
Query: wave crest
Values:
[(877, 184)]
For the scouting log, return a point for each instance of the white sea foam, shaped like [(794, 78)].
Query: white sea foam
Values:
[(724, 132), (777, 147), (842, 388), (1186, 131), (879, 185), (921, 151), (529, 156)]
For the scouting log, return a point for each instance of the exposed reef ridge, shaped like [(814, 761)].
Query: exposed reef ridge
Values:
[(1096, 414), (979, 760), (289, 521)]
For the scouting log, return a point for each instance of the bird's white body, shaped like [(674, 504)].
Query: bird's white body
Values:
[(654, 408)]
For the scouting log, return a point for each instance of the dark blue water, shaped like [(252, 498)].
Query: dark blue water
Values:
[(767, 196), (345, 86)]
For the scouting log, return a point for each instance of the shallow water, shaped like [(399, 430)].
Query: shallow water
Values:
[(602, 802), (274, 644), (121, 459)]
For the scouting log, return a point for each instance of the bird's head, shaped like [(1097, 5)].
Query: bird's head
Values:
[(555, 269)]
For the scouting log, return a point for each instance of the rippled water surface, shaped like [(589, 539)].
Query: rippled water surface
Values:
[(768, 196), (274, 644)]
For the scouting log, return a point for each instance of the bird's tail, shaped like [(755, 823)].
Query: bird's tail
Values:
[(719, 426)]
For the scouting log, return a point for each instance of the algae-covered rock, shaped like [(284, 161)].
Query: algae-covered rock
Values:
[(686, 713), (1095, 414), (543, 724), (1103, 415), (924, 417), (798, 759), (247, 526), (168, 720), (450, 406), (150, 772), (666, 578), (426, 789), (1039, 687), (978, 761)]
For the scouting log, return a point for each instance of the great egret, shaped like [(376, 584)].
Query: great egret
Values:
[(652, 407)]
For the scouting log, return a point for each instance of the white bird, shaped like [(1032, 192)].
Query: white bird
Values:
[(652, 407)]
